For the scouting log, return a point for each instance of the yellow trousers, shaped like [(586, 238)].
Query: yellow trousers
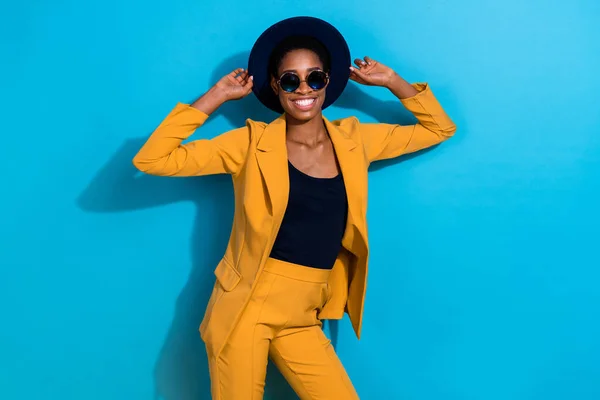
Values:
[(281, 322)]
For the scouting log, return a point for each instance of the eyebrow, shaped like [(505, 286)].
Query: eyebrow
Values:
[(308, 70)]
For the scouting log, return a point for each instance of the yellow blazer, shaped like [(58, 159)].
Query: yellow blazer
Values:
[(256, 158)]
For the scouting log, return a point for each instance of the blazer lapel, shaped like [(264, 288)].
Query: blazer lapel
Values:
[(273, 163), (352, 164)]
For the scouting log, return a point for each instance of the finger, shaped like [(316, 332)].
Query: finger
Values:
[(243, 75), (248, 86), (241, 78), (246, 79), (235, 72), (353, 74), (356, 78), (360, 63), (360, 74), (248, 83), (369, 60)]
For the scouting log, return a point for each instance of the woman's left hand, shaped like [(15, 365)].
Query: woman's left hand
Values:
[(371, 73)]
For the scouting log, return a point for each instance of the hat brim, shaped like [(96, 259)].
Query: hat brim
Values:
[(327, 34)]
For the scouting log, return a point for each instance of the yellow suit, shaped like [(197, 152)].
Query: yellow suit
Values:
[(256, 158)]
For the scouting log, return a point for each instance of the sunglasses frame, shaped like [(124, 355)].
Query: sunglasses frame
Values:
[(305, 80)]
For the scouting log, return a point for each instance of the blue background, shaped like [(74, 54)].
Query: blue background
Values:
[(484, 271)]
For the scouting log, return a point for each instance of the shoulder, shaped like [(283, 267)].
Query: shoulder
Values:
[(256, 128), (255, 124), (259, 125), (264, 133), (252, 129), (346, 121), (348, 125)]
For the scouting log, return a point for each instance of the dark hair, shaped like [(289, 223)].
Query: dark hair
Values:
[(298, 43)]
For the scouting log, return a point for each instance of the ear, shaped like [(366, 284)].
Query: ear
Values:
[(274, 85)]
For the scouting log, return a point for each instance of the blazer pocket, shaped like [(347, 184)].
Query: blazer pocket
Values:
[(227, 275)]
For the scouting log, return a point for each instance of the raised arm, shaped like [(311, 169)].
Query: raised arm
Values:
[(164, 154), (384, 141)]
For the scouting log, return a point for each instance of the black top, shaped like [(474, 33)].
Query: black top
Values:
[(314, 221)]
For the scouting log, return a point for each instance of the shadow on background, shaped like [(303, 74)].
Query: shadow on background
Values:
[(181, 370)]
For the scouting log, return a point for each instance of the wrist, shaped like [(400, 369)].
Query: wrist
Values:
[(217, 95), (400, 88), (394, 81), (210, 100)]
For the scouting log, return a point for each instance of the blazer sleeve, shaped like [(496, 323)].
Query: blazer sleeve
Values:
[(384, 141), (164, 154)]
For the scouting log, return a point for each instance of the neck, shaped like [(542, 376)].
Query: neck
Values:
[(310, 133)]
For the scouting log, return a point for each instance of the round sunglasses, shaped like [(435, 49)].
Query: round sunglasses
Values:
[(290, 81)]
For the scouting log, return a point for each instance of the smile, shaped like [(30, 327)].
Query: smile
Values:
[(304, 104)]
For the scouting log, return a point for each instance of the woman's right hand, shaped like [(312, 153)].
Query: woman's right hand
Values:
[(233, 86)]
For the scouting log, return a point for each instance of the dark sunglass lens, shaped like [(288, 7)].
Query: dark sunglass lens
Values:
[(317, 80), (289, 82)]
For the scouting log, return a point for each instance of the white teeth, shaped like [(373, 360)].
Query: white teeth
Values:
[(304, 102)]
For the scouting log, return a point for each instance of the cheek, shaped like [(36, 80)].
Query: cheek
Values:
[(322, 94), (283, 100)]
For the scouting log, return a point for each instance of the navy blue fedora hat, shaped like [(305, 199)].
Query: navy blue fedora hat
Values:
[(324, 32)]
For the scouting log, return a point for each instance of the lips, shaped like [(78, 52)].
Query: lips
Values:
[(304, 104)]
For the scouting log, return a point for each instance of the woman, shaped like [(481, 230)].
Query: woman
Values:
[(298, 249)]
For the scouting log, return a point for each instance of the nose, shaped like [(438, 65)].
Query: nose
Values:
[(304, 88)]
